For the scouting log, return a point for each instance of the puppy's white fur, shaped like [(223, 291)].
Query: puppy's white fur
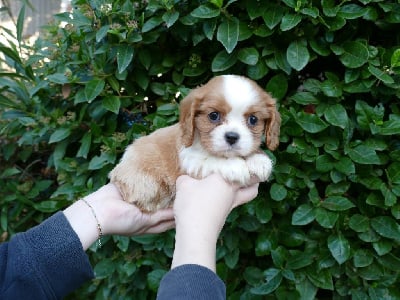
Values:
[(198, 145)]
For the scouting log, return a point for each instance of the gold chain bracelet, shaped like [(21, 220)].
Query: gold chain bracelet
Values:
[(97, 221)]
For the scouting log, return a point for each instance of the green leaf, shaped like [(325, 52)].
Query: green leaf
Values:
[(273, 278), (223, 61), (104, 268), (231, 259), (20, 23), (112, 103), (359, 223), (49, 206), (386, 227), (86, 142), (299, 261), (59, 78), (395, 59), (321, 279), (92, 89), (306, 289), (205, 12), (273, 15), (363, 154), (393, 172), (362, 258), (339, 247), (170, 17), (383, 247), (324, 163), (310, 122), (278, 86), (326, 218), (337, 203), (59, 135), (297, 55), (345, 165), (304, 98), (332, 88), (355, 54), (278, 192), (228, 34), (263, 245), (303, 215), (98, 162), (248, 56), (124, 57), (381, 75), (102, 32), (217, 3), (154, 277), (152, 23), (257, 71), (352, 11), (290, 21)]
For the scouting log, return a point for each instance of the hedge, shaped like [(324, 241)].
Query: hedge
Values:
[(326, 226)]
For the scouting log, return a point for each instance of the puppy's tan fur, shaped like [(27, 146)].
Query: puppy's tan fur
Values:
[(148, 170)]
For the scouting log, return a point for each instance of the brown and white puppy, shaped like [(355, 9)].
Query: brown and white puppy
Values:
[(219, 131)]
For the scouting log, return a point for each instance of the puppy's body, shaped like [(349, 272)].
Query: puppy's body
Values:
[(220, 129)]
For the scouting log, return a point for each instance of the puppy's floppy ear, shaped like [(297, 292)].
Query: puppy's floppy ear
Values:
[(272, 127), (188, 107)]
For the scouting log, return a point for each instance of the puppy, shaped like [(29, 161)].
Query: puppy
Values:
[(220, 130)]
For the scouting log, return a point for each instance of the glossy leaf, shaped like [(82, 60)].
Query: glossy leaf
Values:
[(290, 21), (205, 12), (303, 215), (228, 34), (124, 57), (297, 55), (93, 89), (339, 247), (355, 54), (386, 227), (363, 154), (273, 278)]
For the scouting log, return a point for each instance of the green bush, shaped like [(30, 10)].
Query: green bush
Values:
[(325, 226)]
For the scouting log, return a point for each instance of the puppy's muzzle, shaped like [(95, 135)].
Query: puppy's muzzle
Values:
[(231, 137)]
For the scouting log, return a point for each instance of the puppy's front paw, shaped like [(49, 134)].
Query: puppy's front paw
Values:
[(260, 165)]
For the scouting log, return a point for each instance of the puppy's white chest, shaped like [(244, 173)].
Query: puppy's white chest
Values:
[(197, 163)]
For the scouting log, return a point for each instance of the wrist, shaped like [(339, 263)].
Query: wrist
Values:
[(195, 247), (82, 222)]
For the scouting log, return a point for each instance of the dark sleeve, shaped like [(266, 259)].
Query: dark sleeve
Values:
[(46, 262), (191, 282)]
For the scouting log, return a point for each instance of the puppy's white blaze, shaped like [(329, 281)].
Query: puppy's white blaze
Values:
[(238, 93)]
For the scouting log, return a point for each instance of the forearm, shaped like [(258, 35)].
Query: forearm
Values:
[(83, 222), (195, 248)]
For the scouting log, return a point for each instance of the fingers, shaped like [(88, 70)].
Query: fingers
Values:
[(159, 221), (246, 194), (161, 227)]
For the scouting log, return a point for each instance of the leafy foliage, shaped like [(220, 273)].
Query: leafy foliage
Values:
[(325, 226)]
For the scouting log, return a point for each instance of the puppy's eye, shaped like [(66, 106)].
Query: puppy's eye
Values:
[(214, 116), (252, 120)]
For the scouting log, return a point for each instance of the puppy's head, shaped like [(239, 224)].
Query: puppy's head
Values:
[(228, 117)]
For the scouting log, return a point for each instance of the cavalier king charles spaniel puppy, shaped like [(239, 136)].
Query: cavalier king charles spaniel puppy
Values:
[(220, 129)]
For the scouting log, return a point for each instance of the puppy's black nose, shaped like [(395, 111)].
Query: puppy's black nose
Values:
[(231, 137)]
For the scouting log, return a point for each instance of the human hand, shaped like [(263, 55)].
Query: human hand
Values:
[(115, 216), (205, 204), (201, 208)]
